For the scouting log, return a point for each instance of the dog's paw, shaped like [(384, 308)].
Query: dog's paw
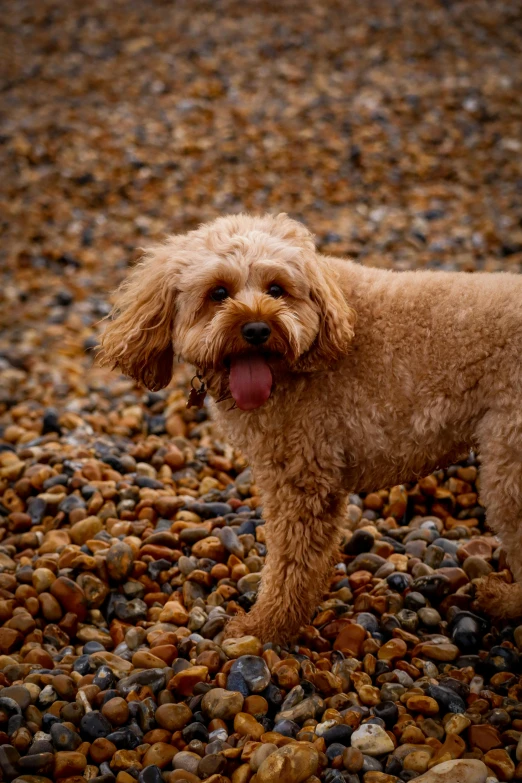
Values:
[(498, 598), (250, 625), (238, 626)]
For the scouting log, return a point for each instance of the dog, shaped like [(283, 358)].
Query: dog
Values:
[(331, 378)]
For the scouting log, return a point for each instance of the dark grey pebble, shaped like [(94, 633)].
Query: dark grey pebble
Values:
[(254, 671), (335, 749), (338, 734), (467, 633), (9, 758), (450, 547), (91, 647), (433, 586), (414, 601), (154, 678), (40, 746), (398, 581), (231, 542), (10, 705), (124, 739), (210, 510), (446, 698), (500, 659), (150, 774), (149, 483), (388, 712), (63, 738), (371, 764), (104, 678), (211, 764), (288, 728), (361, 541), (131, 611), (94, 725)]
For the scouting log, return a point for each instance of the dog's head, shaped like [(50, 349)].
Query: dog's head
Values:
[(236, 298)]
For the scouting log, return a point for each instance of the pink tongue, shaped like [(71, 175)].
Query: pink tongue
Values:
[(250, 381)]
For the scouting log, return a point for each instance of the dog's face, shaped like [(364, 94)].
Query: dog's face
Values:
[(240, 299)]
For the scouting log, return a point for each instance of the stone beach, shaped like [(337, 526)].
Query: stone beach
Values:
[(130, 531)]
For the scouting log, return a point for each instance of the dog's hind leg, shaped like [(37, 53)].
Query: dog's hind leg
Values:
[(500, 440), (302, 536)]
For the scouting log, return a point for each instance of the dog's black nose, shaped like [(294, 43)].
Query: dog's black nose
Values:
[(256, 332)]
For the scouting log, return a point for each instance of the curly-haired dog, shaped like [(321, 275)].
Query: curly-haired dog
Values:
[(343, 379)]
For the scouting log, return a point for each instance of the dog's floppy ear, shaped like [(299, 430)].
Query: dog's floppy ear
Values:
[(138, 338), (337, 318)]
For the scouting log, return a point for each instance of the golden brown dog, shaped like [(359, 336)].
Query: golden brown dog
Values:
[(342, 378)]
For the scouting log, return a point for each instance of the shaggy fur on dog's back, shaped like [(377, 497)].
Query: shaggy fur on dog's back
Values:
[(378, 377)]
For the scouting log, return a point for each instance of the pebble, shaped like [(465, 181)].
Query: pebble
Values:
[(457, 771), (254, 671), (186, 761), (245, 645), (222, 704), (289, 764), (372, 740), (174, 717), (94, 725), (119, 560)]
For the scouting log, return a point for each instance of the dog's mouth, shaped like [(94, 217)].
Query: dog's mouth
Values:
[(250, 380)]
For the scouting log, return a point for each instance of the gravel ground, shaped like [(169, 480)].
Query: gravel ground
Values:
[(129, 532)]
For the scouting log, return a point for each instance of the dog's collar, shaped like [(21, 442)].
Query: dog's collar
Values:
[(197, 394)]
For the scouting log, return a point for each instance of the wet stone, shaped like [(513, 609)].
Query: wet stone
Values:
[(463, 770), (17, 693), (254, 671), (94, 725), (291, 763), (150, 774), (9, 758), (339, 735), (63, 738), (35, 762), (222, 704), (372, 740), (119, 560)]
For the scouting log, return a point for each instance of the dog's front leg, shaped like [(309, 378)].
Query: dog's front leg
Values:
[(302, 536)]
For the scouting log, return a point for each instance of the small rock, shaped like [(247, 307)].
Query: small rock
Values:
[(244, 645), (458, 771), (175, 717), (372, 740), (220, 703), (119, 559), (254, 671), (289, 764)]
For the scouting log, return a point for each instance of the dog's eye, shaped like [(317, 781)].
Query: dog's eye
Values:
[(275, 290), (219, 294)]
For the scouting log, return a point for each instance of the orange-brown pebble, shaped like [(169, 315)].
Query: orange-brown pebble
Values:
[(102, 750), (116, 710), (423, 704), (245, 724), (166, 652), (255, 705)]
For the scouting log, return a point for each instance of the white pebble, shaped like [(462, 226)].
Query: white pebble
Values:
[(457, 771), (372, 740)]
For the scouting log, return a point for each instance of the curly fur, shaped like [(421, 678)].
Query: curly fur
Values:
[(379, 377)]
